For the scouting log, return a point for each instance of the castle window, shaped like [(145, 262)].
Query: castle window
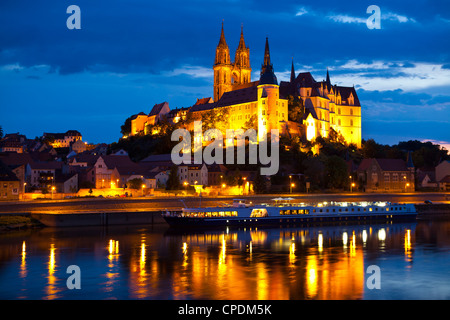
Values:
[(339, 110), (264, 112), (339, 121), (351, 123), (351, 111)]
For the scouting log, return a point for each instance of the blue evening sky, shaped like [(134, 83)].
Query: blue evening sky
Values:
[(132, 54)]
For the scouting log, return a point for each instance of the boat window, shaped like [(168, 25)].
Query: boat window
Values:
[(259, 213), (214, 214), (334, 210)]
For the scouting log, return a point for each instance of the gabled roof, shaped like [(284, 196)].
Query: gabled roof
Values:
[(203, 101), (6, 174), (90, 159), (385, 164), (202, 107), (158, 158), (244, 95), (345, 93), (15, 159), (51, 165), (157, 109)]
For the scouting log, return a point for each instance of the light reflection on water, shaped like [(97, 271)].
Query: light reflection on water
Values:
[(324, 262)]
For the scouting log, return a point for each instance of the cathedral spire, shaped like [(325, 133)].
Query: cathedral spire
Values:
[(328, 80), (292, 71), (222, 41), (267, 53), (241, 45), (267, 73)]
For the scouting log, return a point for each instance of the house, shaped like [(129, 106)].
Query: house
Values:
[(43, 174), (9, 184), (193, 174), (119, 168), (62, 140), (78, 146), (86, 176), (426, 178), (11, 146), (216, 174), (66, 183), (443, 175), (386, 175), (17, 162), (141, 120)]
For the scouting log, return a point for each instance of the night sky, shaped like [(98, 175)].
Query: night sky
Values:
[(131, 54)]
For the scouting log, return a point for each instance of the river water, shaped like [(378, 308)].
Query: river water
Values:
[(383, 261)]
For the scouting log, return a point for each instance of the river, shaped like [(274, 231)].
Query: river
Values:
[(383, 261)]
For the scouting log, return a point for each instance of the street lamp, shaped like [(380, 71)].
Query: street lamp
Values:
[(143, 186), (292, 185), (185, 185), (406, 186), (352, 186), (53, 189)]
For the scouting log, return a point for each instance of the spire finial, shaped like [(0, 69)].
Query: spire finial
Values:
[(292, 71)]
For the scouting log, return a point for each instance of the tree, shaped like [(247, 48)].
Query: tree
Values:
[(173, 182), (135, 183), (260, 183), (125, 129), (251, 123), (314, 169), (1, 132), (295, 109), (336, 172)]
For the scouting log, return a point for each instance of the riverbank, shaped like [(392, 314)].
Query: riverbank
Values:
[(18, 222)]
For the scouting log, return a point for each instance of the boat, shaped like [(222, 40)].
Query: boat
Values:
[(283, 211)]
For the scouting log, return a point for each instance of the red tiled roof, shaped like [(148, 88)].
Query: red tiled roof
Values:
[(385, 164)]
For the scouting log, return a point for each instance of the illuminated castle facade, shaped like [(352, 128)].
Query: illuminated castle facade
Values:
[(265, 102)]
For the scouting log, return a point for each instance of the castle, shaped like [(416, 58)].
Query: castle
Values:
[(264, 102)]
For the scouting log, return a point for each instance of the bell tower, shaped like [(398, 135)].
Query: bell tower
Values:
[(222, 68)]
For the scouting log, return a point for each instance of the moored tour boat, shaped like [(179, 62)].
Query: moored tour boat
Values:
[(283, 211)]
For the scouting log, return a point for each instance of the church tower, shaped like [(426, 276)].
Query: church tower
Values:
[(222, 68), (242, 70)]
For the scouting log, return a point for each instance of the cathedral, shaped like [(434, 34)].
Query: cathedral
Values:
[(264, 102)]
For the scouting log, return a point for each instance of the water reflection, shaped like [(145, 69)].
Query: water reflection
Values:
[(51, 289), (326, 262)]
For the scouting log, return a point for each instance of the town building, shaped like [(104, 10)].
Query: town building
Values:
[(62, 140), (443, 175), (9, 184), (386, 175)]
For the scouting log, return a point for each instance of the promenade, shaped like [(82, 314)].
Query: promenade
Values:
[(79, 205)]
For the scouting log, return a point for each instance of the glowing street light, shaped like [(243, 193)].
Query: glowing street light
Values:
[(143, 186), (292, 185), (53, 189)]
